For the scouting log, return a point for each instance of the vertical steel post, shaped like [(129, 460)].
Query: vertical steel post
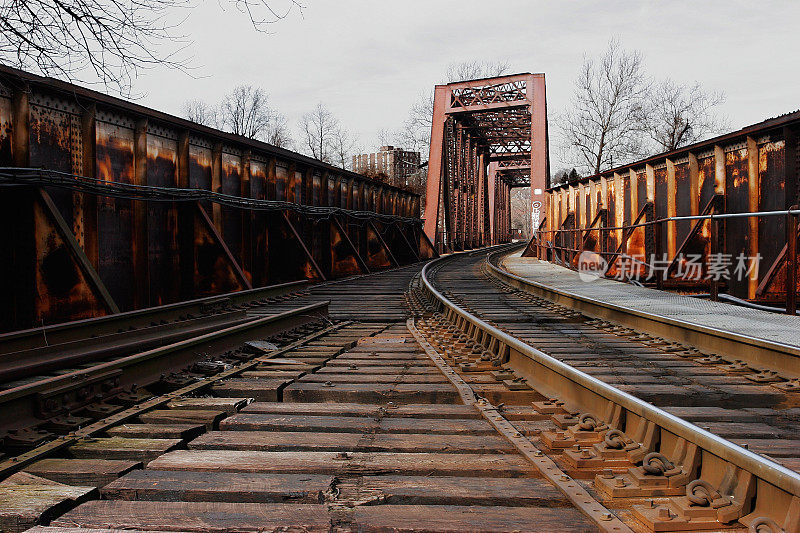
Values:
[(141, 276), (216, 184), (247, 217), (714, 250), (791, 264), (90, 240), (492, 190), (186, 216), (753, 182), (435, 164), (481, 199), (659, 251), (791, 193), (535, 91)]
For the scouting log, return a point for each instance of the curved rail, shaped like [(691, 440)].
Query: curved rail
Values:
[(772, 354), (554, 376)]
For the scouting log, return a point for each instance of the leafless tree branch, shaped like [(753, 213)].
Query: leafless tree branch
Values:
[(244, 111), (678, 115), (200, 112), (604, 124), (107, 41), (324, 138)]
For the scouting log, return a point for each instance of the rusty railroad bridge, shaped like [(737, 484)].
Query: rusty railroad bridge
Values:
[(201, 332)]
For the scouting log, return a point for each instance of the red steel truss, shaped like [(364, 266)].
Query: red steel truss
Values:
[(488, 136)]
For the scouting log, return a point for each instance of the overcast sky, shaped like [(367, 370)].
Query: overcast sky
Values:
[(368, 60)]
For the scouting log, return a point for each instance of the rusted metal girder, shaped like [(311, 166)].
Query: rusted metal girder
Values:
[(487, 137), (750, 170), (84, 249)]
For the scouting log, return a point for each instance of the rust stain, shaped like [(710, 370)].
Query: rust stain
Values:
[(5, 131), (737, 163), (258, 180), (199, 167), (114, 163), (706, 179), (636, 246), (425, 251), (63, 292), (281, 178), (162, 222), (231, 184), (376, 255), (767, 150), (50, 139), (343, 261), (114, 153), (213, 273)]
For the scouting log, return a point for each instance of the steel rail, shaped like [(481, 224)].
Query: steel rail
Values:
[(47, 359), (146, 367), (770, 471), (80, 329), (14, 464), (205, 342)]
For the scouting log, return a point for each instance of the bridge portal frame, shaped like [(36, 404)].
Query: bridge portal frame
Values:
[(487, 137)]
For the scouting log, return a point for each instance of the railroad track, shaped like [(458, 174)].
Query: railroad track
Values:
[(364, 432), (627, 404), (423, 415), (59, 377), (56, 378)]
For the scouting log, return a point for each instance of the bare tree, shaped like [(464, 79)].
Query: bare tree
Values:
[(200, 112), (318, 129), (474, 70), (387, 137), (278, 133), (107, 41), (342, 148), (245, 111), (521, 210), (678, 115), (605, 120)]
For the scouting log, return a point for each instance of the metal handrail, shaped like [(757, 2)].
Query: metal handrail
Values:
[(763, 468), (750, 214)]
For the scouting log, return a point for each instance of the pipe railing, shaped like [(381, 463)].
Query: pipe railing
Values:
[(569, 243)]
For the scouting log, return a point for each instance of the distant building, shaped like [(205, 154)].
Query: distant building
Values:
[(391, 165)]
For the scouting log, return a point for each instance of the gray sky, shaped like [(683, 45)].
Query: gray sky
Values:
[(369, 60)]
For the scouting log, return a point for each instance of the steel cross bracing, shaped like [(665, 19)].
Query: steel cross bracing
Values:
[(487, 137)]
